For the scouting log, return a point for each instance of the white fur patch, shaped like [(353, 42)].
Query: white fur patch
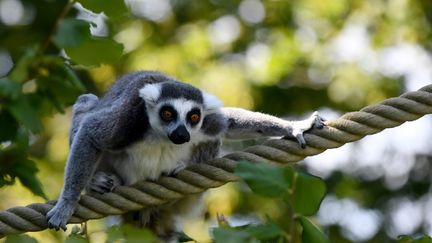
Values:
[(151, 157), (150, 93), (156, 154), (183, 106), (211, 102)]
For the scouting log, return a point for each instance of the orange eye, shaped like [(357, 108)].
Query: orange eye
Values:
[(167, 115), (194, 118)]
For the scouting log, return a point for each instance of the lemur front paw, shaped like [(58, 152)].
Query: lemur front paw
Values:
[(103, 182), (316, 120), (60, 214), (299, 127)]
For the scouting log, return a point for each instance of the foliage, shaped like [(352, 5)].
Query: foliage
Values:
[(303, 192), (408, 239), (123, 233), (249, 233), (20, 239), (278, 183), (74, 36), (130, 234), (54, 86), (76, 239)]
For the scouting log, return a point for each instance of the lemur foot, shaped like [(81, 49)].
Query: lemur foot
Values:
[(60, 214), (103, 182), (299, 127)]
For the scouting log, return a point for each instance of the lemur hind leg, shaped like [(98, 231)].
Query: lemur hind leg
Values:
[(82, 106)]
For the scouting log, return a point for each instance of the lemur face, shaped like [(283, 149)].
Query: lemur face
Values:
[(177, 110), (179, 119)]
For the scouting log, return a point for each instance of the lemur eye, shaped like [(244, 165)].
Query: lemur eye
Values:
[(167, 115), (194, 118)]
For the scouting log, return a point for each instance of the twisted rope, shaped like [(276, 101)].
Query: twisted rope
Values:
[(200, 177)]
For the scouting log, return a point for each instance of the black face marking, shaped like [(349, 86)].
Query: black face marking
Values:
[(180, 135), (167, 113), (176, 90), (194, 116), (215, 124)]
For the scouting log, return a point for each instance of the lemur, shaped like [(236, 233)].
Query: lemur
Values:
[(147, 124)]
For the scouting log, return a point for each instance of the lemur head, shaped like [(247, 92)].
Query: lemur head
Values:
[(177, 110)]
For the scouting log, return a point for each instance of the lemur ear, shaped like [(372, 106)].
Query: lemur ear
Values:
[(211, 102), (150, 93)]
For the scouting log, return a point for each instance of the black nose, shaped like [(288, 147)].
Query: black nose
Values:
[(180, 135)]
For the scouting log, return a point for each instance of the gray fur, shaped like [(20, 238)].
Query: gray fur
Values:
[(83, 105), (175, 90), (244, 124), (214, 124), (119, 139)]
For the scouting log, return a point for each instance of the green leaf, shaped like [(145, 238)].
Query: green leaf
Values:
[(183, 237), (111, 8), (311, 233), (9, 89), (138, 235), (8, 126), (308, 193), (409, 239), (96, 51), (25, 170), (130, 234), (76, 239), (6, 179), (267, 231), (248, 233), (305, 194), (23, 111), (20, 239), (15, 163), (61, 87), (404, 239), (71, 33), (22, 139), (266, 180), (21, 71), (72, 78), (114, 234), (423, 239), (231, 235)]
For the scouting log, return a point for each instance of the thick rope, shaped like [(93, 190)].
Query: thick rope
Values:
[(200, 177)]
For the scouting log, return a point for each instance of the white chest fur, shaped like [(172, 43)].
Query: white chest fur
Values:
[(148, 159)]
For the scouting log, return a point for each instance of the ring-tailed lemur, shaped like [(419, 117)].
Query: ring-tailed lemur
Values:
[(149, 124)]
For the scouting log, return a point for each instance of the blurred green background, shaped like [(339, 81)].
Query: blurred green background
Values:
[(286, 58)]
